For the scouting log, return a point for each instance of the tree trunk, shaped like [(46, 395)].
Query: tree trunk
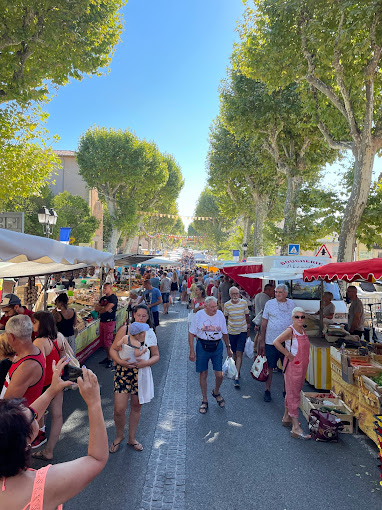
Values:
[(115, 233), (294, 184), (363, 168), (261, 213), (113, 241), (247, 224), (129, 244)]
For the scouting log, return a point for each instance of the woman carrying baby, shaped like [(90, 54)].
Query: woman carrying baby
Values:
[(134, 350)]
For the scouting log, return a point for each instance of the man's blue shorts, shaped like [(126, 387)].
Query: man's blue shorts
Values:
[(165, 297), (273, 355), (238, 341), (203, 357)]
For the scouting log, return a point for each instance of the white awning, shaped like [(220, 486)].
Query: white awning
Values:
[(274, 275), (159, 261), (16, 247)]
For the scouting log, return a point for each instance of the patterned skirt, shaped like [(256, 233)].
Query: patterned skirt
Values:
[(126, 380)]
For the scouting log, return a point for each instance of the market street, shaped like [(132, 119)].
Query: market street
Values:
[(234, 458)]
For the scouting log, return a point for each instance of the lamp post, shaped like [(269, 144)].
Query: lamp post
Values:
[(244, 247), (47, 218)]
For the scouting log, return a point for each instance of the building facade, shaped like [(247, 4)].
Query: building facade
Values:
[(68, 179)]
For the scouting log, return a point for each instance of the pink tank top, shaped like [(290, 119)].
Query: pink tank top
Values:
[(37, 499)]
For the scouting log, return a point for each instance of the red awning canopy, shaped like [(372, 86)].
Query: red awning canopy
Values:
[(364, 270), (251, 285)]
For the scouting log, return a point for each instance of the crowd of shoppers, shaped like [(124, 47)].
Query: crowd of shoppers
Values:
[(34, 354)]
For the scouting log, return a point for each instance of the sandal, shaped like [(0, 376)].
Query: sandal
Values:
[(286, 423), (114, 447), (203, 408), (300, 436), (41, 456), (221, 402), (137, 446)]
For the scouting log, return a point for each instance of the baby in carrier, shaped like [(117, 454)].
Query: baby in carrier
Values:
[(133, 344)]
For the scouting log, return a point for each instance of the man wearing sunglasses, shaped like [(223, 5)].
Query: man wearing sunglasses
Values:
[(10, 306)]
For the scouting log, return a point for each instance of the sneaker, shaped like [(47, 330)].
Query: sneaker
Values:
[(109, 364), (113, 368), (236, 384), (40, 440), (104, 361), (267, 396)]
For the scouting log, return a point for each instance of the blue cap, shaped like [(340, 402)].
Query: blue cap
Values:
[(137, 327)]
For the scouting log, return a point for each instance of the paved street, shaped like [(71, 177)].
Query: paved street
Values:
[(234, 458)]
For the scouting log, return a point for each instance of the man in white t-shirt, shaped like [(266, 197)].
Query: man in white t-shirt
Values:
[(277, 316), (209, 327)]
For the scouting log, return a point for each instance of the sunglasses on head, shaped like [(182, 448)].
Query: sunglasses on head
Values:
[(299, 316)]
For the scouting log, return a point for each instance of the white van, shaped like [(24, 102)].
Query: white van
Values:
[(289, 270)]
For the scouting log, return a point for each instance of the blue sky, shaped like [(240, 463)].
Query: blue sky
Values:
[(163, 83)]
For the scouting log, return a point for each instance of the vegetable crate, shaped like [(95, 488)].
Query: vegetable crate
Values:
[(369, 406), (378, 432), (346, 392), (346, 415)]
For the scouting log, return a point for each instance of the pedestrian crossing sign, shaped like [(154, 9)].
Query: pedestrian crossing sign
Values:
[(293, 249)]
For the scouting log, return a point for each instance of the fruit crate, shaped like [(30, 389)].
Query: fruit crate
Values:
[(346, 416)]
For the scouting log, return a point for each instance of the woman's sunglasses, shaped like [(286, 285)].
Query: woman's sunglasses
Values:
[(299, 316), (34, 414)]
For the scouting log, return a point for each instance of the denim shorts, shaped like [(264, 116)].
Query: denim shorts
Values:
[(273, 355), (238, 341), (165, 297), (203, 357)]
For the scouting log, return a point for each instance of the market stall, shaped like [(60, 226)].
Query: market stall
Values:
[(39, 258), (356, 374)]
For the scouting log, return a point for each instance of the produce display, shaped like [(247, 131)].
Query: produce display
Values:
[(377, 379), (28, 295)]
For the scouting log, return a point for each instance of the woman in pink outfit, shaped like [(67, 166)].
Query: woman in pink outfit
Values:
[(49, 487), (296, 361)]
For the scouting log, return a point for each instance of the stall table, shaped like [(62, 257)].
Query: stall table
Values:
[(87, 340)]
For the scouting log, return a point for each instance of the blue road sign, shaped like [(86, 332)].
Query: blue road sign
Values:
[(293, 249)]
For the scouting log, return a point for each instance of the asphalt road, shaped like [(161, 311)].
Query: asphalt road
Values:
[(239, 457)]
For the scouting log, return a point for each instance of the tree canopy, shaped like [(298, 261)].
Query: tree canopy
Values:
[(129, 174), (44, 43), (72, 211), (333, 50), (26, 161)]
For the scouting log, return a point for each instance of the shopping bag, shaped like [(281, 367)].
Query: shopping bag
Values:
[(229, 368), (248, 349), (259, 370), (257, 320), (324, 426)]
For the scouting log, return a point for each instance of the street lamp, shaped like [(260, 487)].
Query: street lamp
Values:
[(244, 247), (47, 218)]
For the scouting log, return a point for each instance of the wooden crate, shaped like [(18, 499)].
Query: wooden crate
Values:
[(369, 405), (349, 393), (371, 385), (377, 357), (347, 419)]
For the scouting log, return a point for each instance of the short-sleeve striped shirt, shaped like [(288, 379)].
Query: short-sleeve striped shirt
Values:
[(236, 313)]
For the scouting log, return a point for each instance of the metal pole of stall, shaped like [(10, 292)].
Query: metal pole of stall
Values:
[(321, 306), (44, 289), (101, 275), (129, 278)]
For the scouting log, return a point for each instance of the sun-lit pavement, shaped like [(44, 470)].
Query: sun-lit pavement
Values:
[(234, 458)]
